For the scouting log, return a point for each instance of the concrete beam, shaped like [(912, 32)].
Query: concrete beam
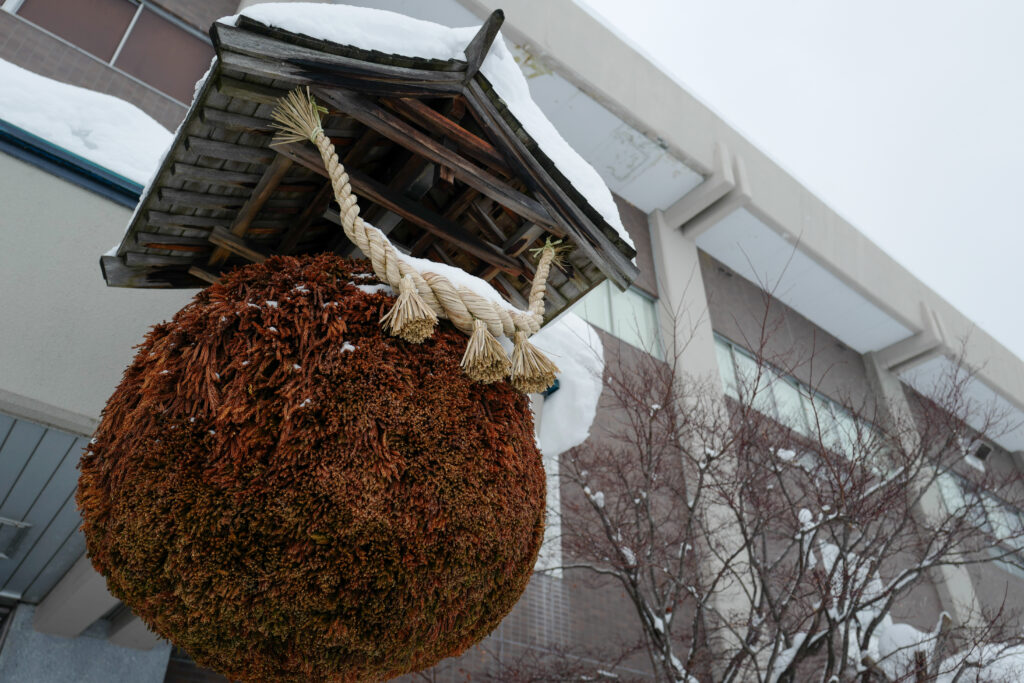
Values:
[(128, 630), (78, 599), (914, 350), (735, 199), (713, 188)]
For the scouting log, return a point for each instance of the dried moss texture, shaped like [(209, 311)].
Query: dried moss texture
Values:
[(288, 508)]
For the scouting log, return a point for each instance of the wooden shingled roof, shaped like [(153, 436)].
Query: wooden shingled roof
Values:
[(436, 158)]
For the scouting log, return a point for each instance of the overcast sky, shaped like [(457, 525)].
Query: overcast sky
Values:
[(905, 116)]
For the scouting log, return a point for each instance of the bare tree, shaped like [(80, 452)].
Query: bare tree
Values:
[(754, 551)]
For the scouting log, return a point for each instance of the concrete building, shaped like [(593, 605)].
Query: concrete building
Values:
[(713, 218)]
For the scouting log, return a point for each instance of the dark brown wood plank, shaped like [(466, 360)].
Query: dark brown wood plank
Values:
[(586, 236), (436, 122), (198, 199), (272, 176), (313, 210), (230, 152), (295, 62), (214, 176), (394, 128), (432, 222), (251, 92), (134, 259), (204, 274), (118, 274), (478, 48), (234, 244), (219, 118)]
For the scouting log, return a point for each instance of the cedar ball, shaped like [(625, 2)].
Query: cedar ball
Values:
[(289, 494)]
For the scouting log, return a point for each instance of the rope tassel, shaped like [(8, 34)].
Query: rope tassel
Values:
[(532, 371), (423, 298), (410, 318), (484, 361)]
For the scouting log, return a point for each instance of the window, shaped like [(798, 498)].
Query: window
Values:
[(787, 400), (632, 316), (136, 38), (999, 519)]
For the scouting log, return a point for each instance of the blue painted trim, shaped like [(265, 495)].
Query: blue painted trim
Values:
[(21, 144)]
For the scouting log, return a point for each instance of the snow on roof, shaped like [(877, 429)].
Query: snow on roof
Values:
[(101, 128), (391, 33)]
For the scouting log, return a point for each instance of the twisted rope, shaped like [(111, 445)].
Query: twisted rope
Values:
[(424, 297)]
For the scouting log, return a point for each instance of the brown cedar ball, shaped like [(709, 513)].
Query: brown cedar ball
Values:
[(289, 494)]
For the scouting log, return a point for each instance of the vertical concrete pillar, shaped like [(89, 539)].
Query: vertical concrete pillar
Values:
[(956, 591), (78, 599), (686, 330)]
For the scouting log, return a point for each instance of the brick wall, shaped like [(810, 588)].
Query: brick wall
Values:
[(32, 49), (199, 13)]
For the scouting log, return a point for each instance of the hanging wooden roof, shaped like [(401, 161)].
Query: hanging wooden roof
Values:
[(436, 158)]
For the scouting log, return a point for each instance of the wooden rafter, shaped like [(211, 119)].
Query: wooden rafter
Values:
[(260, 194), (384, 122)]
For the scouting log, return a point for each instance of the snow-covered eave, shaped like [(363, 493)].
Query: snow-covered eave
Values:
[(24, 145), (543, 155)]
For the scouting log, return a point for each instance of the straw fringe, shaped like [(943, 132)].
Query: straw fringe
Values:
[(532, 371), (410, 318), (484, 361), (423, 298)]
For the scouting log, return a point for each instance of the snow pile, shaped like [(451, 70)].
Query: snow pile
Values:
[(103, 129), (391, 33), (576, 349)]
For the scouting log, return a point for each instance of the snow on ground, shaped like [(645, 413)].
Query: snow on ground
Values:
[(391, 33), (101, 128)]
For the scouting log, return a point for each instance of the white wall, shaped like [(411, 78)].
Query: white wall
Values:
[(65, 337)]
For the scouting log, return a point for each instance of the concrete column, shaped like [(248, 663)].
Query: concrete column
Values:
[(687, 332), (956, 591), (33, 657), (78, 599), (685, 325)]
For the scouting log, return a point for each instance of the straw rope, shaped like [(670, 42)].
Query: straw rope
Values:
[(424, 297)]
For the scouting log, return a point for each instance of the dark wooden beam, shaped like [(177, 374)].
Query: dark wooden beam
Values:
[(272, 176), (478, 48), (587, 236), (230, 242), (289, 61), (432, 222), (436, 122), (313, 211), (204, 274), (380, 119)]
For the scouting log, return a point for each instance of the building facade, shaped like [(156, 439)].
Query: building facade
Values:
[(715, 222)]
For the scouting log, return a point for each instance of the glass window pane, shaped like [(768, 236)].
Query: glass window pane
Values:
[(594, 307), (821, 422), (753, 384), (846, 431), (96, 26), (632, 317), (788, 403), (726, 369), (165, 55)]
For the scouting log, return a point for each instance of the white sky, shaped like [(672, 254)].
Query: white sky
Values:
[(905, 116)]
